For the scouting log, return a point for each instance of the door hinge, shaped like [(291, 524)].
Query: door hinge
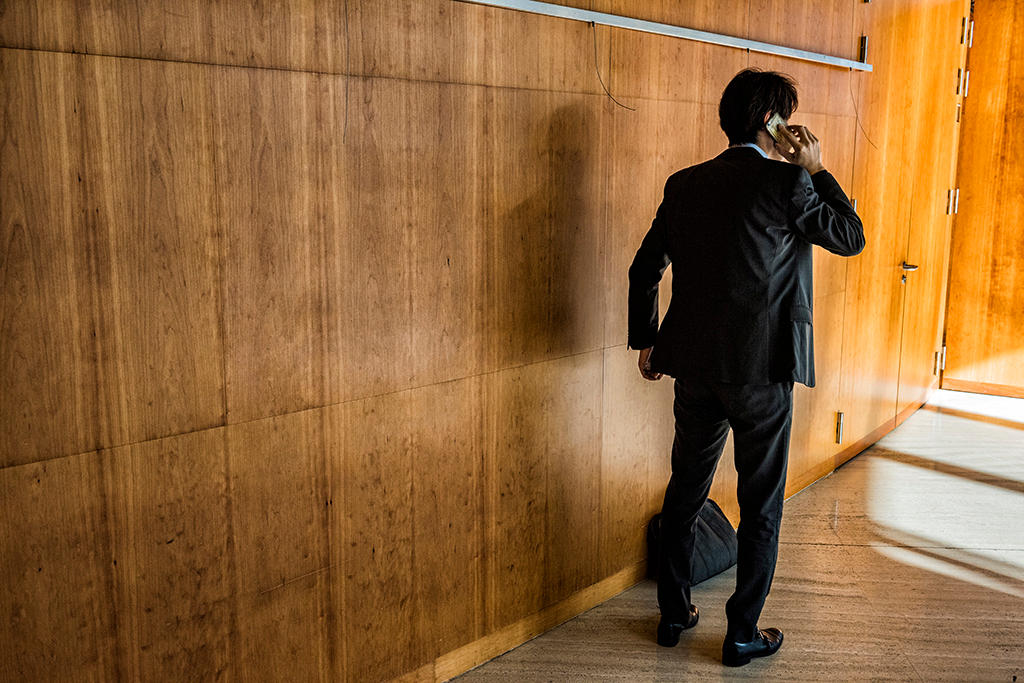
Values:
[(863, 52), (963, 30), (935, 365), (967, 82), (942, 360), (958, 107), (839, 427), (970, 35), (956, 201), (949, 201), (959, 80)]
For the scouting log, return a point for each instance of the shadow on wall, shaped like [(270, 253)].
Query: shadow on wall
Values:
[(543, 466), (547, 288)]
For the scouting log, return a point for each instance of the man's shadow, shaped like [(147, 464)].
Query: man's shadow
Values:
[(547, 288)]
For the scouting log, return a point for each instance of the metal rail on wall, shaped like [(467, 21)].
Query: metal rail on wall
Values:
[(618, 21)]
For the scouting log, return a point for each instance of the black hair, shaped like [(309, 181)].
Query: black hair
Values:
[(750, 95)]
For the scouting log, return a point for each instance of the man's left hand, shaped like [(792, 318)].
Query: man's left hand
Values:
[(645, 365)]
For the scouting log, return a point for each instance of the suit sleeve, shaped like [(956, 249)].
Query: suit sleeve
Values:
[(821, 213), (645, 274)]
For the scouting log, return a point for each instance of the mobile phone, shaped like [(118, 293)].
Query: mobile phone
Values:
[(773, 126)]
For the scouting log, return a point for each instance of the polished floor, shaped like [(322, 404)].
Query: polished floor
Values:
[(905, 564)]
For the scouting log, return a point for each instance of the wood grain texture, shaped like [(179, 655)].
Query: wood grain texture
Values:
[(812, 441), (636, 430), (982, 387), (448, 504), (406, 283), (57, 593), (931, 137), (376, 585), (541, 473), (433, 40), (986, 319), (632, 192), (172, 551), (51, 401), (407, 471), (129, 339), (543, 216), (266, 127), (657, 67), (280, 536), (881, 183)]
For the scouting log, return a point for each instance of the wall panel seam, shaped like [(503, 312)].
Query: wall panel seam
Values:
[(402, 79), (333, 404)]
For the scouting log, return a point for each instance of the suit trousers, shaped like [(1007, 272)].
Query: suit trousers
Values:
[(760, 417)]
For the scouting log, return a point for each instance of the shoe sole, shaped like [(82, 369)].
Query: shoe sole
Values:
[(737, 662)]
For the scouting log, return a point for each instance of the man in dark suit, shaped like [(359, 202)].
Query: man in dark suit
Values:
[(738, 231)]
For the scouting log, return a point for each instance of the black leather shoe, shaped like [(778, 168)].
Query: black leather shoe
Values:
[(766, 642), (668, 634)]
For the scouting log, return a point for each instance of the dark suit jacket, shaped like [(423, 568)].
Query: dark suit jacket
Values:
[(738, 231)]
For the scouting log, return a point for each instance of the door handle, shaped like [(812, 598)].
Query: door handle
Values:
[(909, 266)]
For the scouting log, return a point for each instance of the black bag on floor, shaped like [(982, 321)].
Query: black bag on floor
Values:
[(714, 549)]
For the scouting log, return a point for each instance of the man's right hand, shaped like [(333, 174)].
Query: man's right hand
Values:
[(799, 146), (645, 365)]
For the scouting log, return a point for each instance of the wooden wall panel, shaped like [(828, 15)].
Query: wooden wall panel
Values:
[(172, 551), (662, 68), (56, 597), (542, 435), (151, 207), (151, 361), (432, 40), (406, 527), (376, 521), (815, 25), (51, 398), (448, 507), (632, 192), (280, 503), (874, 298), (986, 323), (636, 429), (812, 441), (543, 219), (719, 16), (405, 285), (266, 161)]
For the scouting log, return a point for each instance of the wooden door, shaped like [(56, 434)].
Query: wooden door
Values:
[(985, 329), (931, 144)]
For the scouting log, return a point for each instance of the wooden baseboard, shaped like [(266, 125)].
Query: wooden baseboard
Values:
[(474, 654), (860, 445), (802, 481), (982, 387), (902, 416)]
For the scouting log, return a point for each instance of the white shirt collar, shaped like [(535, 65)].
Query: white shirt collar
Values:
[(751, 144)]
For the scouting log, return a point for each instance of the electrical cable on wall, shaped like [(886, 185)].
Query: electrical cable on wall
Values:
[(856, 112), (597, 68)]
